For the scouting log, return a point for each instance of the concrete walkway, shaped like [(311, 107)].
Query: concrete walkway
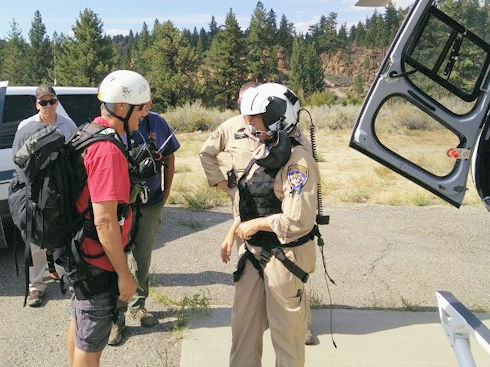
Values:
[(364, 338)]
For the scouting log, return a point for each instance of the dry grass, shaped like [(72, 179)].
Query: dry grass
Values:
[(347, 175)]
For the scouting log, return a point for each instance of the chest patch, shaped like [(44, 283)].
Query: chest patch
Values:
[(297, 177)]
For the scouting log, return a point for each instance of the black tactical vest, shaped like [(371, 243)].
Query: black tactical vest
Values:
[(257, 199)]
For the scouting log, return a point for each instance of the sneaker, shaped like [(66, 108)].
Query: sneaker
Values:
[(310, 338), (35, 298), (145, 318), (115, 337)]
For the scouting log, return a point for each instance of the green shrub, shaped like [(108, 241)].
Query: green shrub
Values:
[(199, 197), (321, 98), (194, 116), (421, 199)]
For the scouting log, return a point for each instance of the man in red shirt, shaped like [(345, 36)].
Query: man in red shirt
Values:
[(123, 94)]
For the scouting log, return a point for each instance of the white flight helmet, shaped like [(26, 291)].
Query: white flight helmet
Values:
[(277, 105), (124, 86)]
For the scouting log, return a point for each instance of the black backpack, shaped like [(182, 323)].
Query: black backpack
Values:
[(49, 177)]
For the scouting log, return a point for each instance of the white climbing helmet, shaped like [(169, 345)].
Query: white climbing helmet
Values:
[(124, 86)]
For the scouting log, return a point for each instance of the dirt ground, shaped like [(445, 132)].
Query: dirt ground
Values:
[(379, 256)]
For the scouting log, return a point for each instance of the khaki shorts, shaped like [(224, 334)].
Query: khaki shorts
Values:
[(93, 320)]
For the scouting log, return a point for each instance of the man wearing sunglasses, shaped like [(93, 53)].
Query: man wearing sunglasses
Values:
[(46, 104)]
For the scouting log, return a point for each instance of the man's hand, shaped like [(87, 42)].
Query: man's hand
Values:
[(226, 247), (127, 286), (227, 243), (247, 229)]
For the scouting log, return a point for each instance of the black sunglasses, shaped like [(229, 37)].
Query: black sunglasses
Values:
[(51, 101)]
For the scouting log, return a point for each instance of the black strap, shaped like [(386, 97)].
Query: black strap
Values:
[(27, 264), (288, 264), (135, 225), (279, 254), (94, 134), (27, 253), (241, 265), (291, 97), (303, 239), (247, 169)]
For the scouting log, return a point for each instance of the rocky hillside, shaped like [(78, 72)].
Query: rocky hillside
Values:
[(342, 66)]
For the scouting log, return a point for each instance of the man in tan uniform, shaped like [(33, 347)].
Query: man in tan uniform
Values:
[(277, 206), (232, 136)]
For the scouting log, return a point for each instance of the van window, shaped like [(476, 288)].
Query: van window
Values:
[(16, 109), (81, 108)]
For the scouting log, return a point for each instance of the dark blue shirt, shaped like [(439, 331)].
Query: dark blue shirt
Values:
[(161, 131)]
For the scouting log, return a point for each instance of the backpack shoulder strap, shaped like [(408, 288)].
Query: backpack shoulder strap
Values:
[(91, 133)]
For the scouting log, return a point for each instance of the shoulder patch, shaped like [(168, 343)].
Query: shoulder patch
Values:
[(216, 133), (297, 178)]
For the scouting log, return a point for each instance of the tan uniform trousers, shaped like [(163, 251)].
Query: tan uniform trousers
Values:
[(277, 301)]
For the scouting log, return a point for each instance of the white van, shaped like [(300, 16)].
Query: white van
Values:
[(16, 104)]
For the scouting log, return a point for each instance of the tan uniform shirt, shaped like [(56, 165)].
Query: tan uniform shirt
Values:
[(232, 136), (296, 187)]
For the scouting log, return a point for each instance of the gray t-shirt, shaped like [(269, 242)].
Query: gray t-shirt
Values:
[(64, 124)]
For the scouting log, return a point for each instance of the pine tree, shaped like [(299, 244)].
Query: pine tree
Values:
[(202, 42), (225, 67), (314, 78), (297, 71), (359, 84), (14, 63), (375, 31), (285, 34), (194, 38), (142, 42), (271, 25), (172, 65), (352, 34), (213, 29), (186, 33), (261, 51), (126, 60), (39, 52), (306, 72), (86, 58), (391, 23), (324, 34), (343, 39), (360, 36)]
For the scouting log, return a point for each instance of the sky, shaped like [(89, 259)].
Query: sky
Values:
[(118, 17)]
